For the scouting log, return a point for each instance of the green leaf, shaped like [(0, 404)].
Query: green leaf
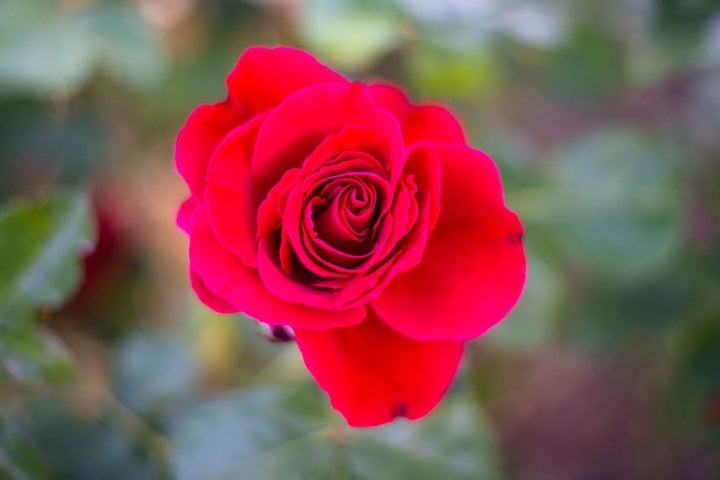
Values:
[(59, 51), (269, 434), (453, 73), (19, 456), (125, 45), (36, 355), (154, 369), (610, 201), (40, 248), (346, 34), (45, 57), (454, 442), (91, 446), (695, 359)]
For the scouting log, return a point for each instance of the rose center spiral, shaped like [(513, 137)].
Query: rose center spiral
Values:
[(343, 212)]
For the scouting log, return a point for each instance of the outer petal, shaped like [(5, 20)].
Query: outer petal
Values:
[(209, 298), (419, 123), (203, 130), (263, 77), (373, 374), (185, 214), (473, 269), (295, 128), (231, 196), (226, 276)]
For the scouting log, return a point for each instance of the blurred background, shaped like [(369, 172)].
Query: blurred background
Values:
[(604, 118)]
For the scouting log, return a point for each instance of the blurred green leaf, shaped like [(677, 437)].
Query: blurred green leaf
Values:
[(19, 456), (15, 16), (270, 434), (634, 314), (90, 447), (230, 436), (154, 369), (39, 144), (444, 73), (59, 51), (40, 248), (36, 355), (693, 345), (611, 201), (45, 57), (586, 67), (347, 34), (124, 44), (453, 442)]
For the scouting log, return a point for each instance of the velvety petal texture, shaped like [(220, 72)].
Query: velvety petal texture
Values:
[(359, 220), (473, 269), (264, 77), (423, 123), (374, 374)]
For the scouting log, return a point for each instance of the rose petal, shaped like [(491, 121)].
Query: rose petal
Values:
[(373, 374), (208, 298), (305, 119), (227, 277), (421, 123), (263, 77), (473, 268), (231, 196), (423, 168), (185, 214), (203, 130)]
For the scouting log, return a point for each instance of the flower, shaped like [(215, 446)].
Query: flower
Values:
[(362, 221)]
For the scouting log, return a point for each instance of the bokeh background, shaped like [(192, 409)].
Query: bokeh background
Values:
[(604, 118)]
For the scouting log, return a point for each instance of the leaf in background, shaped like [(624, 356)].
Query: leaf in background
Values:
[(46, 56), (453, 442), (611, 201), (454, 73), (19, 456), (59, 51), (36, 355), (271, 434), (124, 44), (15, 16), (346, 34), (693, 347), (587, 67), (154, 369), (90, 446), (40, 248), (227, 437)]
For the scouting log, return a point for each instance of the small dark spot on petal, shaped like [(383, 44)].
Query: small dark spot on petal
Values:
[(515, 239), (399, 410)]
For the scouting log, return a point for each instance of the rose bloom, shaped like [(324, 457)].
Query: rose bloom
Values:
[(363, 221)]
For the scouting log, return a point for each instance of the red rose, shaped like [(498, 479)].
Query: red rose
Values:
[(364, 222)]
